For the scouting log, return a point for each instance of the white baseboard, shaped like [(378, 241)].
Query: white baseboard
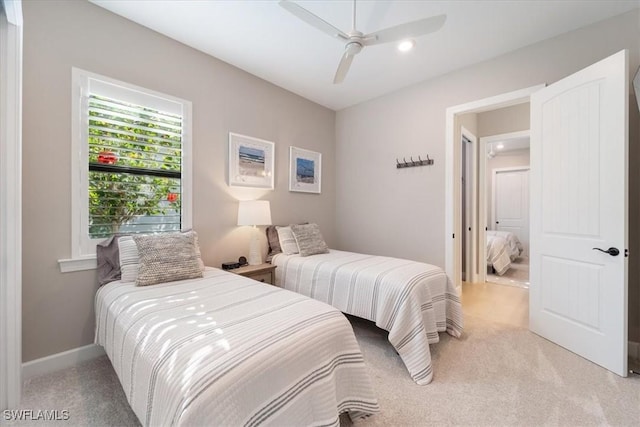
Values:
[(59, 361), (634, 350)]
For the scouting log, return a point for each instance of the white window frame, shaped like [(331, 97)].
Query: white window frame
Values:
[(83, 83)]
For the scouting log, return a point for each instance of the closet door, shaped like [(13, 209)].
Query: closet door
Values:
[(511, 203)]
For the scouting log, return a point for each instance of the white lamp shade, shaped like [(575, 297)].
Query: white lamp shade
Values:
[(254, 212)]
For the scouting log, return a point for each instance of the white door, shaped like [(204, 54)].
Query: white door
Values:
[(511, 203), (578, 294)]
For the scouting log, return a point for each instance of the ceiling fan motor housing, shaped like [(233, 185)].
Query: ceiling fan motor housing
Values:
[(353, 47)]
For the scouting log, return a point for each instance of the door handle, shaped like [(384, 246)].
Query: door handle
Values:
[(610, 251)]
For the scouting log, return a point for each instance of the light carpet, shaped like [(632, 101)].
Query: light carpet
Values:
[(516, 275), (498, 375), (495, 375)]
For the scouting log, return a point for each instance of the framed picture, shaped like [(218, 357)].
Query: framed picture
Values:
[(250, 162), (304, 170)]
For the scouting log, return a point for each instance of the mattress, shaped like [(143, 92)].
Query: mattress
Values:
[(412, 301), (227, 350)]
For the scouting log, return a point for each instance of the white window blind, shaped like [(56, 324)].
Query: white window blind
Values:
[(135, 168)]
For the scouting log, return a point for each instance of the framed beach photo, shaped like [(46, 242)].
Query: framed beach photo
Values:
[(250, 162), (304, 170)]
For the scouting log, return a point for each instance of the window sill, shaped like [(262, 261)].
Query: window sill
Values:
[(78, 264)]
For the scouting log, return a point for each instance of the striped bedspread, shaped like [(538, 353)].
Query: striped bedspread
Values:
[(225, 350), (411, 300)]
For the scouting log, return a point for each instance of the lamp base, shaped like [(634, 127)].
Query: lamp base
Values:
[(255, 254)]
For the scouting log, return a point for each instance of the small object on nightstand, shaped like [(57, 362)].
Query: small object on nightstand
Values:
[(230, 265), (242, 261), (265, 273)]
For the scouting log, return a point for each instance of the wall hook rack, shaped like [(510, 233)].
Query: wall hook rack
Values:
[(411, 163)]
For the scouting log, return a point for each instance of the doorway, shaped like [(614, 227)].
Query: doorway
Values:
[(453, 223), (505, 201)]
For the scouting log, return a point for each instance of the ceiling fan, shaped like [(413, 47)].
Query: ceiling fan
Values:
[(356, 40)]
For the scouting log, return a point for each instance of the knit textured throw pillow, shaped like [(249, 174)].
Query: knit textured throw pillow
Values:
[(130, 260), (309, 239), (167, 258)]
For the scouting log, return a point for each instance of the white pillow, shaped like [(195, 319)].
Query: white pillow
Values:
[(287, 241), (130, 259)]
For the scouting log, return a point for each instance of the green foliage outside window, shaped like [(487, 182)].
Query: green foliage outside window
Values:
[(130, 149)]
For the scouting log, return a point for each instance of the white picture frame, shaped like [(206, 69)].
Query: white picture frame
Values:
[(251, 162), (305, 170)]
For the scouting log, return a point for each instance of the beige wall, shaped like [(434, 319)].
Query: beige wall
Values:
[(58, 308), (504, 120), (383, 210), (469, 122)]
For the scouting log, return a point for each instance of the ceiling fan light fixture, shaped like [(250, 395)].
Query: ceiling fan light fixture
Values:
[(406, 45)]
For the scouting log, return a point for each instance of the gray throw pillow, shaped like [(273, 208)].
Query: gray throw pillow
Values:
[(272, 238), (309, 239), (167, 258), (108, 260)]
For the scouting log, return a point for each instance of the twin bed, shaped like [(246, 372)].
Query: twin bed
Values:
[(223, 349), (411, 300), (227, 350)]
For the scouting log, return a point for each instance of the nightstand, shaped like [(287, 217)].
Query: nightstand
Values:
[(265, 273)]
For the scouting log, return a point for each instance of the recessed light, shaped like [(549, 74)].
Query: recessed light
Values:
[(500, 146), (406, 45)]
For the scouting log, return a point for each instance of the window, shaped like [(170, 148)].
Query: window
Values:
[(131, 166)]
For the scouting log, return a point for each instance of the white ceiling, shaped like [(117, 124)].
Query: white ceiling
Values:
[(519, 143), (263, 39)]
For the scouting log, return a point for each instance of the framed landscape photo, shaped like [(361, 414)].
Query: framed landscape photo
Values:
[(304, 170), (250, 162)]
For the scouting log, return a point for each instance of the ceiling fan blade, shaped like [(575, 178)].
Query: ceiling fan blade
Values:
[(402, 31), (313, 20), (343, 67)]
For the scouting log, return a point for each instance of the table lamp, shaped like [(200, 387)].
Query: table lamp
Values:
[(254, 213)]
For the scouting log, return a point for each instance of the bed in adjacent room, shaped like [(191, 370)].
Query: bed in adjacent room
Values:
[(413, 301), (503, 248), (223, 349), (514, 246)]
